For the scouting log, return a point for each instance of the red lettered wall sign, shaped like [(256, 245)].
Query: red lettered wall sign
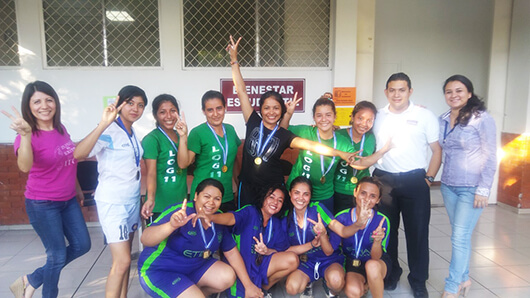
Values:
[(256, 87)]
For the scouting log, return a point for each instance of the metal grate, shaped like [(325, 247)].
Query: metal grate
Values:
[(9, 37), (101, 33), (276, 33)]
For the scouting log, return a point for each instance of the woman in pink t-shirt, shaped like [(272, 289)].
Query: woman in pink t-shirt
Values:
[(44, 150)]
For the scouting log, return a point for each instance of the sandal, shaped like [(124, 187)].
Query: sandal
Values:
[(18, 287)]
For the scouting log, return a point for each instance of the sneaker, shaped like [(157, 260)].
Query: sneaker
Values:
[(266, 294), (326, 290), (308, 292)]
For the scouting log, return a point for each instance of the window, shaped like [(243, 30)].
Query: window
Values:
[(101, 32), (276, 33), (9, 37)]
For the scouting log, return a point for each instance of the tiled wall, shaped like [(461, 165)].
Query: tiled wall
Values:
[(514, 171)]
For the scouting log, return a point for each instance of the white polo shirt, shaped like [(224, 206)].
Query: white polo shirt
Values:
[(117, 181), (412, 131)]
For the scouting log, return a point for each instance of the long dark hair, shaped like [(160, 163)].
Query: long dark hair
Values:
[(45, 88), (474, 105), (267, 191)]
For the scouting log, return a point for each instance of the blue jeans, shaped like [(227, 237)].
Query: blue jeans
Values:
[(53, 221), (463, 217)]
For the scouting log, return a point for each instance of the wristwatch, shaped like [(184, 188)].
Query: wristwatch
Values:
[(430, 178)]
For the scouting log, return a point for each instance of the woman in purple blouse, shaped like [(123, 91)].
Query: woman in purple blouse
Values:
[(467, 137)]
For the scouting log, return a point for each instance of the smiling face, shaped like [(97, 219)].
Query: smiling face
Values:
[(214, 110), (209, 200), (363, 121), (324, 117), (271, 111), (398, 93), (167, 115), (42, 107), (300, 195), (273, 203), (132, 110), (367, 193), (456, 95)]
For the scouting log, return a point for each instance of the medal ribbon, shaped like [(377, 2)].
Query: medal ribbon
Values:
[(269, 226), (357, 242), (262, 148), (322, 156), (132, 135), (361, 149), (447, 133), (225, 151), (203, 235), (169, 139), (303, 229)]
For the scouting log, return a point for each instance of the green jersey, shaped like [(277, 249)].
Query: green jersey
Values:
[(171, 184), (309, 164), (210, 154), (344, 183)]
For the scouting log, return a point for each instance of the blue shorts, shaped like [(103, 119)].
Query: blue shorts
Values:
[(315, 268), (259, 278), (164, 282)]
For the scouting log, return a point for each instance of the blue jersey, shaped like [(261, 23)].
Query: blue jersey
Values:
[(349, 244), (249, 224), (185, 244), (291, 227)]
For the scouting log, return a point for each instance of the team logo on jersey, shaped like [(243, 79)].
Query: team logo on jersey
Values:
[(192, 233)]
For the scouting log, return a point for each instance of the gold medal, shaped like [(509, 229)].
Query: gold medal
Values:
[(303, 258), (354, 180), (206, 254), (258, 160), (323, 179), (224, 169), (356, 263)]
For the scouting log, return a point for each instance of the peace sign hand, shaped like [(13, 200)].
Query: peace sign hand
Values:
[(364, 214), (232, 48), (260, 246), (110, 112), (18, 123), (181, 126), (180, 218), (379, 233), (292, 103), (201, 215), (318, 227)]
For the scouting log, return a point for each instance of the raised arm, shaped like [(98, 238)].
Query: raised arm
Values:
[(290, 105), (304, 144), (184, 156), (241, 88), (82, 150), (365, 162), (24, 152), (155, 234)]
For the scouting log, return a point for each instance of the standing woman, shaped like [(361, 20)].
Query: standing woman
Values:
[(468, 140), (362, 139), (163, 155), (213, 145), (317, 168), (265, 140), (117, 196), (45, 150)]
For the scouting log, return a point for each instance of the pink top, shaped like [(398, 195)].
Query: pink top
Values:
[(53, 174)]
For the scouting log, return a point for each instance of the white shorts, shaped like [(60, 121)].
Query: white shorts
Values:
[(118, 220)]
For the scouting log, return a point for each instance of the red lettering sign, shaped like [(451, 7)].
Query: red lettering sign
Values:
[(256, 87)]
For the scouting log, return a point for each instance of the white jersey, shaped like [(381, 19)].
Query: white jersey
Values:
[(119, 172), (411, 131)]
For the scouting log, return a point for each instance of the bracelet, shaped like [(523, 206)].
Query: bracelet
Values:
[(233, 62)]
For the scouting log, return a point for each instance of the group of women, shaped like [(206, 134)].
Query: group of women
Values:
[(274, 233)]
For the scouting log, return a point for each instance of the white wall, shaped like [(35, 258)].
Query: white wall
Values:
[(81, 89), (517, 108), (431, 40)]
